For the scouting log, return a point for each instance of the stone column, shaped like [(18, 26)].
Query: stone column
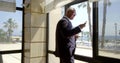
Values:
[(35, 33)]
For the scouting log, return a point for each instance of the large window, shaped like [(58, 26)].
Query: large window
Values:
[(10, 30), (84, 42), (11, 34), (99, 41), (109, 28), (83, 14)]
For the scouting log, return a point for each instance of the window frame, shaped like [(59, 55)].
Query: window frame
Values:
[(96, 58), (22, 45), (102, 59)]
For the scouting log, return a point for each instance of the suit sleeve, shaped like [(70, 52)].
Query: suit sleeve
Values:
[(68, 31)]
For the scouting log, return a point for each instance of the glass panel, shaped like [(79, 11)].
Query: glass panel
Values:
[(10, 58), (109, 28), (10, 30), (19, 3), (84, 42)]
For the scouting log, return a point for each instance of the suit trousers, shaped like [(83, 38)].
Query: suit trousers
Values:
[(67, 60)]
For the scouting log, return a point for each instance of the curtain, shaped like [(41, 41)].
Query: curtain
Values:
[(8, 5)]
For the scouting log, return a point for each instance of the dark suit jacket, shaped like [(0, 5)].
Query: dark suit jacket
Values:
[(65, 38)]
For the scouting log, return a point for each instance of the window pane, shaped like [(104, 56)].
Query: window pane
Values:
[(10, 30), (10, 58), (19, 3), (84, 42), (109, 28)]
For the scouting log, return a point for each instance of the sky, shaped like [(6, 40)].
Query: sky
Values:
[(81, 16), (113, 16), (17, 16)]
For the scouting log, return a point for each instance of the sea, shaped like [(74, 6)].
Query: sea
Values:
[(111, 38)]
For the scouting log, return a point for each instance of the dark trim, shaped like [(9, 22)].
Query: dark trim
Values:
[(10, 52), (51, 52), (47, 37), (83, 58), (18, 8), (23, 40), (108, 59), (95, 30)]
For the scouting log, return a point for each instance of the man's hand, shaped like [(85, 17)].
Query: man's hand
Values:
[(82, 25), (76, 37)]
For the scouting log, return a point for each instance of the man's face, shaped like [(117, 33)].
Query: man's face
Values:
[(73, 15)]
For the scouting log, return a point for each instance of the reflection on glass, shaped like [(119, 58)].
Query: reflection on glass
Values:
[(10, 30), (11, 58), (109, 28), (84, 14)]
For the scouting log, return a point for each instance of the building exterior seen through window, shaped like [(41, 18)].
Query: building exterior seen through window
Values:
[(10, 30), (11, 33), (109, 28)]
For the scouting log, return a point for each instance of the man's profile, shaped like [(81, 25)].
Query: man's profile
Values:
[(66, 37)]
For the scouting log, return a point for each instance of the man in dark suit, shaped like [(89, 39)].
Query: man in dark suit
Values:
[(65, 37)]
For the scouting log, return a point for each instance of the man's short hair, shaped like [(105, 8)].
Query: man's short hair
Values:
[(70, 9)]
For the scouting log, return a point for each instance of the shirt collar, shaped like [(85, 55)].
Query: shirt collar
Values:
[(67, 18)]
